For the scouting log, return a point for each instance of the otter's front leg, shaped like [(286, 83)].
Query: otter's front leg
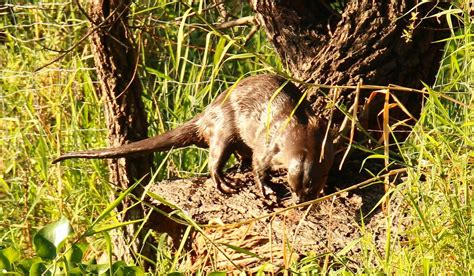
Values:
[(261, 171), (219, 153)]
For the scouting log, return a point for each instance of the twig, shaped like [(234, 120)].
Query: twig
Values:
[(353, 123), (328, 127), (386, 142), (221, 9), (247, 20), (179, 18), (84, 12), (377, 87), (252, 32), (89, 33)]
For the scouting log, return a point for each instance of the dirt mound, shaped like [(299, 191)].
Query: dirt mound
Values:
[(252, 231)]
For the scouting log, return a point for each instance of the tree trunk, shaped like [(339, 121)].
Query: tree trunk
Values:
[(116, 63), (369, 42)]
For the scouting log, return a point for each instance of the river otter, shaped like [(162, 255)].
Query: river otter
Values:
[(265, 120)]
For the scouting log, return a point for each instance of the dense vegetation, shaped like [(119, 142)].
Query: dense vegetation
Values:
[(49, 105)]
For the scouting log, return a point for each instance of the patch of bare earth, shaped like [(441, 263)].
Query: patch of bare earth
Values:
[(275, 234)]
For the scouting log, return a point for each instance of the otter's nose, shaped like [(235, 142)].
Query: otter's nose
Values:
[(300, 197)]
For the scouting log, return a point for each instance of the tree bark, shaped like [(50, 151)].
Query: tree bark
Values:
[(116, 63), (366, 43)]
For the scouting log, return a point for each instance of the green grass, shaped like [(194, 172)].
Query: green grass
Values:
[(440, 189), (184, 64)]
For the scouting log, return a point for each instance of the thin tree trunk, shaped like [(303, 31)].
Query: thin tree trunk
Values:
[(116, 63)]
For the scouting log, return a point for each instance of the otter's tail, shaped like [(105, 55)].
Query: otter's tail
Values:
[(182, 136)]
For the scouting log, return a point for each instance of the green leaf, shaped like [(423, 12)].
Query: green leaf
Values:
[(129, 271), (39, 269), (8, 256), (373, 156), (158, 73), (114, 204), (241, 56), (109, 227), (5, 264), (241, 250), (25, 265), (48, 240), (180, 39), (75, 254), (98, 269), (76, 271), (184, 240), (120, 268), (217, 273), (348, 247)]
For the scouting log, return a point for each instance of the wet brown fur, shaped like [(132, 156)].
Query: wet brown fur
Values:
[(260, 120)]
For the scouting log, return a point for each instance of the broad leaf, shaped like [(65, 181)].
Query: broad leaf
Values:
[(120, 268), (39, 269), (75, 254), (8, 256), (48, 240)]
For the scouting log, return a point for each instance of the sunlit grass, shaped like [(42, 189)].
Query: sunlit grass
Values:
[(57, 109), (184, 64), (439, 154)]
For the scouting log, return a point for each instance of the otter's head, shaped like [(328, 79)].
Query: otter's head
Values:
[(308, 170)]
